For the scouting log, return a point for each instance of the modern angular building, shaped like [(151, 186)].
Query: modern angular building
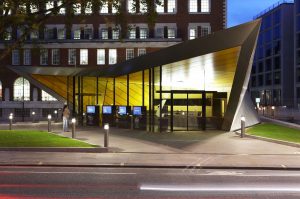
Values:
[(194, 85), (273, 71), (90, 41), (297, 52)]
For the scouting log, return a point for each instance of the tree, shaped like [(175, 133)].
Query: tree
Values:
[(20, 18)]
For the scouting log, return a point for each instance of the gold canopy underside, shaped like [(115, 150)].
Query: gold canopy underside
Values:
[(211, 72)]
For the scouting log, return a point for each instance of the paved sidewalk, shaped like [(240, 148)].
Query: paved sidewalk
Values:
[(184, 161)]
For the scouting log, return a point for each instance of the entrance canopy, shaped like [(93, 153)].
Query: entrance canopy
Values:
[(218, 62)]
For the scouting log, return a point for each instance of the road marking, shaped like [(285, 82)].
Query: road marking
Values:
[(178, 188), (64, 172)]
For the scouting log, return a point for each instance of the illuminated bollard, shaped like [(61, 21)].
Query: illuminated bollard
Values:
[(106, 138), (243, 119), (11, 117), (73, 127), (56, 116), (49, 123), (33, 117), (273, 112)]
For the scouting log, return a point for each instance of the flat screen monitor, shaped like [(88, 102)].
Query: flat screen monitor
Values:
[(122, 110), (137, 110), (91, 109), (107, 110)]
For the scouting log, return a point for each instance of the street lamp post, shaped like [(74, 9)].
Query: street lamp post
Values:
[(243, 119), (73, 127), (273, 112), (33, 117), (11, 117), (56, 116), (106, 138), (49, 123)]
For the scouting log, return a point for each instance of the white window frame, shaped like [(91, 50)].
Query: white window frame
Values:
[(144, 32), (21, 89), (100, 56), (44, 56), (62, 11), (142, 51), (129, 53), (194, 34), (61, 33), (15, 57), (143, 8), (27, 57), (132, 33), (112, 56), (84, 57), (193, 6), (172, 9), (205, 28), (34, 34), (77, 8), (88, 10), (72, 53), (130, 8), (55, 59), (160, 8), (169, 31), (47, 97), (104, 33), (205, 6), (104, 8), (88, 31), (77, 33), (115, 33), (49, 5)]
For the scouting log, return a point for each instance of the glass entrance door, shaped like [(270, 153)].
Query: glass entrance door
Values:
[(180, 112), (194, 112)]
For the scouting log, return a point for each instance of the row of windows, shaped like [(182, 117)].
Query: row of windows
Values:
[(133, 6), (271, 20), (268, 50), (269, 35), (267, 65), (72, 54), (22, 91), (85, 31), (266, 79), (268, 97)]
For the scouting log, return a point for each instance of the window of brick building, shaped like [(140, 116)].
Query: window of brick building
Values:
[(44, 56), (21, 89), (27, 56), (100, 56), (84, 58), (143, 33), (72, 56), (112, 56), (129, 54), (171, 6), (160, 7), (55, 56), (15, 57), (142, 51), (104, 8)]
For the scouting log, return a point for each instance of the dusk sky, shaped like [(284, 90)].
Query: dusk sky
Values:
[(240, 11)]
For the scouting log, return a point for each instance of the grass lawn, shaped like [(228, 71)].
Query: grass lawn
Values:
[(20, 138), (275, 131)]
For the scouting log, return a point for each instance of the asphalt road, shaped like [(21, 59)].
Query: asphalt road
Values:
[(123, 183)]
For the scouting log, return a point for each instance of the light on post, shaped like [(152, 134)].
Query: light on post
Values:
[(73, 121), (243, 120), (11, 117), (49, 123), (33, 116), (273, 111), (56, 115), (106, 138)]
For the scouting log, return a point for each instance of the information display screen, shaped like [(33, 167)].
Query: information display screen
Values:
[(137, 110), (107, 110), (122, 110), (91, 109)]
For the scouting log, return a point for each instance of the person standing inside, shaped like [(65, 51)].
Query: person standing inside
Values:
[(66, 116)]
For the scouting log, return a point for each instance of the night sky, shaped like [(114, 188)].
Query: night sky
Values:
[(241, 11)]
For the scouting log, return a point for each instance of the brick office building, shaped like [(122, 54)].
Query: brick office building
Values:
[(91, 40)]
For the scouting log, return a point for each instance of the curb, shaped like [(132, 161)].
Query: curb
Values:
[(57, 149), (286, 143), (184, 167)]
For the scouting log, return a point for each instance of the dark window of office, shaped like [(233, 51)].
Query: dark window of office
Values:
[(268, 50), (253, 69), (260, 80), (277, 78), (267, 36), (298, 93), (260, 39), (277, 63), (1, 114), (277, 17), (277, 97), (277, 47), (268, 97), (260, 52), (276, 33), (298, 23), (253, 81), (267, 22), (297, 6), (260, 67), (298, 57), (298, 40), (268, 65), (268, 79), (298, 74)]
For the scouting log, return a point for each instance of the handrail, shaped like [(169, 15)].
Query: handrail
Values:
[(272, 7)]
